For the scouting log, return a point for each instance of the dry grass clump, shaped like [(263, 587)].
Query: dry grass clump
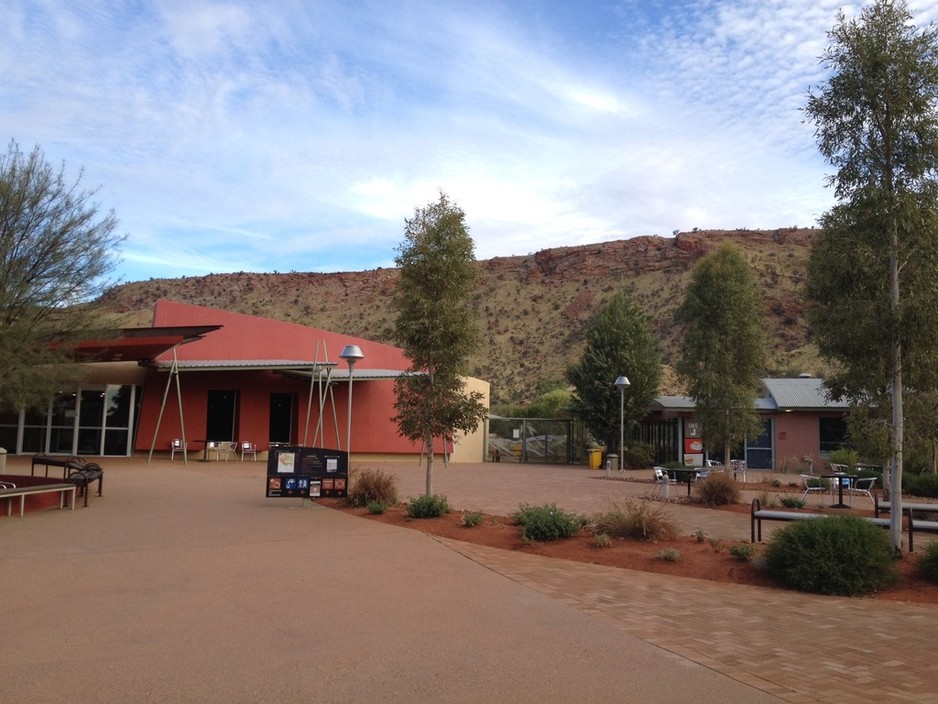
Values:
[(633, 519)]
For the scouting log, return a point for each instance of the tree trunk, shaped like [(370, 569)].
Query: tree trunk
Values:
[(898, 429), (429, 442)]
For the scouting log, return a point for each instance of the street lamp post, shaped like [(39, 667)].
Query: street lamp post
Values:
[(623, 383), (351, 354)]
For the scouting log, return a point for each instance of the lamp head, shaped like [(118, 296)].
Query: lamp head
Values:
[(351, 354), (623, 382)]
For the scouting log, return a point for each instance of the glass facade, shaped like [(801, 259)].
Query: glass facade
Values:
[(95, 420)]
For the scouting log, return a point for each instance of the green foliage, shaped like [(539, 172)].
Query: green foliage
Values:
[(471, 519), (841, 555), (928, 563), (618, 342), (602, 540), (372, 486), (633, 519), (922, 485), (791, 502), (639, 455), (428, 506), (877, 125), (545, 523), (669, 555), (435, 328), (56, 254), (376, 508), (723, 350), (718, 489), (845, 456), (743, 552)]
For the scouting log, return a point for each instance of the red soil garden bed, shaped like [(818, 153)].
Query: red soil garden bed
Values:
[(698, 559)]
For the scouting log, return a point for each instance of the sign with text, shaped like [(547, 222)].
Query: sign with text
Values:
[(294, 471)]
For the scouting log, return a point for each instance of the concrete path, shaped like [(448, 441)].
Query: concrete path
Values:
[(184, 584)]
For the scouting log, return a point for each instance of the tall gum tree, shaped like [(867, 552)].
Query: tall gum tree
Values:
[(56, 255), (875, 122), (435, 329), (722, 350)]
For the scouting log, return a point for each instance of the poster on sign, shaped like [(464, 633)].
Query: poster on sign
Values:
[(306, 472)]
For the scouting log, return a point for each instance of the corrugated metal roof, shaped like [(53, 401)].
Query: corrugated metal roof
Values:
[(243, 364), (802, 393)]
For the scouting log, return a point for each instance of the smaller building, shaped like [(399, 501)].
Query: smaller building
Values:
[(801, 427)]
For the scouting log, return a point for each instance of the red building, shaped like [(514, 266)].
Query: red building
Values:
[(211, 375)]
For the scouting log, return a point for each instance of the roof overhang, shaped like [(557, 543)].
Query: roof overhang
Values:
[(139, 344)]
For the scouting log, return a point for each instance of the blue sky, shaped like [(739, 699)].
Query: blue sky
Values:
[(297, 135)]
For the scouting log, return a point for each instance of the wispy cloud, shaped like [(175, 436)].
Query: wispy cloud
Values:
[(298, 136)]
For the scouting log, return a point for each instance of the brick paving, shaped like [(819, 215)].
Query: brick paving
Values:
[(184, 584)]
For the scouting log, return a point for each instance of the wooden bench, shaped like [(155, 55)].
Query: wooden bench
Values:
[(759, 514), (10, 493), (84, 475)]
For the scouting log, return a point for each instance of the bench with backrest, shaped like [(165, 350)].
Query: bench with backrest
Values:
[(83, 475), (9, 491), (759, 514), (66, 462)]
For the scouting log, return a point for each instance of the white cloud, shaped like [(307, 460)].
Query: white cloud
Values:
[(298, 136)]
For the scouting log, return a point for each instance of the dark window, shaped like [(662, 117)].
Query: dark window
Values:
[(833, 433)]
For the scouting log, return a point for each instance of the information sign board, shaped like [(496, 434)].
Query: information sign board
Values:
[(294, 471)]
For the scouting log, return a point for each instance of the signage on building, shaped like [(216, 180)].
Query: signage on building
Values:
[(300, 472)]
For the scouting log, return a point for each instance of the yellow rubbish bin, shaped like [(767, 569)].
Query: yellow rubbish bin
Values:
[(596, 459)]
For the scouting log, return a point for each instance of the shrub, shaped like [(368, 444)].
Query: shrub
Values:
[(791, 502), (428, 506), (701, 535), (845, 456), (743, 552), (669, 555), (924, 485), (928, 563), (372, 486), (545, 523), (602, 540), (840, 555), (636, 520), (376, 508), (639, 455), (718, 489), (471, 519)]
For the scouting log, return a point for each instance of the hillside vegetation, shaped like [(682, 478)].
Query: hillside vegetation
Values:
[(532, 309)]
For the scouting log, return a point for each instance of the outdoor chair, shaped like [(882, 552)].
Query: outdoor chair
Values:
[(174, 447), (661, 478), (229, 448), (812, 485), (247, 448), (864, 487), (213, 447), (738, 468)]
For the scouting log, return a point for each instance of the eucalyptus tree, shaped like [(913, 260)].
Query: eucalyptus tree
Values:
[(56, 254), (618, 343), (876, 123), (722, 350), (435, 329)]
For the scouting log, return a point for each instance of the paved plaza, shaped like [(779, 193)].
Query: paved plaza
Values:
[(183, 583)]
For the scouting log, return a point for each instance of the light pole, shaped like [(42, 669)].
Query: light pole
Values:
[(351, 354), (623, 383)]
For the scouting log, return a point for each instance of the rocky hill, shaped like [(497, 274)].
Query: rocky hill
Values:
[(532, 309)]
